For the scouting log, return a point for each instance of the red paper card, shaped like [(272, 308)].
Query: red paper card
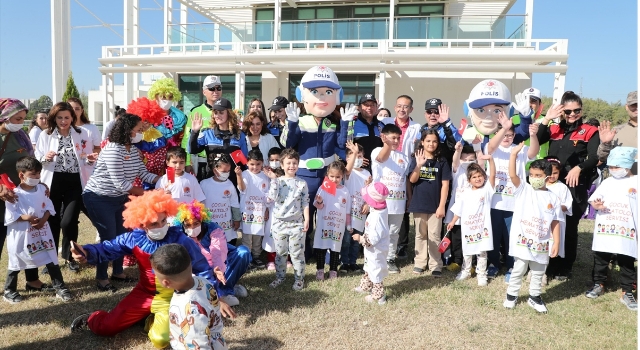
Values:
[(463, 126), (171, 175), (328, 186), (238, 157)]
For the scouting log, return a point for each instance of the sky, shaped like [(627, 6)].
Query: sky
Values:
[(603, 60)]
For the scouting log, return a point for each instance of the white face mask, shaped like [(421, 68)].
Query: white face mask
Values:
[(157, 233), (137, 138), (193, 232), (618, 173), (223, 176), (165, 104), (358, 163), (29, 181), (537, 182), (274, 164), (12, 127)]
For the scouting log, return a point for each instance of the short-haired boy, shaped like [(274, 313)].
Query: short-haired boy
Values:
[(290, 197), (391, 168), (29, 239), (616, 202), (195, 313), (184, 187)]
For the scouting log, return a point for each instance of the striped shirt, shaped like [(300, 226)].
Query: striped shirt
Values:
[(115, 171)]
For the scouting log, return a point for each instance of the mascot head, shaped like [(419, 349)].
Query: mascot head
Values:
[(319, 91), (486, 101)]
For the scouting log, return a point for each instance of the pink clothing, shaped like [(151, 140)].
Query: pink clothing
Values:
[(216, 254), (403, 128)]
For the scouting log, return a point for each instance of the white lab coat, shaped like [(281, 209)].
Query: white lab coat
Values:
[(48, 143)]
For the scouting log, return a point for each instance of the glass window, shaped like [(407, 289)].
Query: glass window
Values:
[(323, 13), (264, 15), (408, 10), (432, 9), (306, 13), (381, 10), (362, 11)]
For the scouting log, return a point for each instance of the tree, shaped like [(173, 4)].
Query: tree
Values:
[(84, 97), (43, 102), (597, 108), (72, 90)]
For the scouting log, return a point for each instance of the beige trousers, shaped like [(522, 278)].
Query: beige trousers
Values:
[(428, 228)]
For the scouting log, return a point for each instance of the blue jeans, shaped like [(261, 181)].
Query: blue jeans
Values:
[(350, 248), (501, 224), (105, 214), (238, 259)]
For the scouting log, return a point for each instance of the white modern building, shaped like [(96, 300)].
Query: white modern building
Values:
[(261, 48)]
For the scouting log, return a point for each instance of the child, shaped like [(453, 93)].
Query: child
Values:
[(391, 168), (430, 187), (616, 203), (462, 158), (290, 196), (185, 187), (473, 210), (274, 160), (357, 179), (334, 217), (27, 225), (376, 243), (253, 185), (268, 244), (221, 196), (195, 314), (536, 214)]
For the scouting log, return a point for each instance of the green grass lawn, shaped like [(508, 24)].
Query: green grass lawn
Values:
[(422, 312)]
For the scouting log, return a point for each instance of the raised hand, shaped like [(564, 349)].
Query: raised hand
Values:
[(607, 134), (348, 112), (421, 159), (458, 147), (352, 147), (505, 121), (533, 129), (517, 148), (477, 140), (196, 122), (522, 105), (444, 113), (485, 157), (269, 172), (293, 112), (555, 111)]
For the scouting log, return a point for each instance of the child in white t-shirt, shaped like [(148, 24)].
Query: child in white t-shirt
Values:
[(254, 186), (357, 178), (535, 222), (472, 209), (391, 168), (185, 187), (221, 196), (616, 202)]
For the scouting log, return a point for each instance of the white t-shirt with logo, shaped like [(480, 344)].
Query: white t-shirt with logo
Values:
[(460, 185), (220, 198), (393, 173), (562, 191), (616, 227), (531, 223), (332, 219), (504, 199), (185, 188), (253, 202), (354, 184), (474, 210)]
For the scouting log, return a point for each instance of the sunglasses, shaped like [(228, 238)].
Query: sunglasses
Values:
[(432, 111), (215, 88), (575, 111)]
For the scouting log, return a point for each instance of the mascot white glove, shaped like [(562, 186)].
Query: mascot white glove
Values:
[(521, 105), (293, 112), (348, 112)]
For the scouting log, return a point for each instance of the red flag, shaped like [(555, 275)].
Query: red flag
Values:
[(238, 157), (171, 174), (538, 112), (328, 186), (4, 178), (463, 126)]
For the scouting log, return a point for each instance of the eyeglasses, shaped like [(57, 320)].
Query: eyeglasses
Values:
[(215, 88), (575, 111), (432, 111), (509, 136)]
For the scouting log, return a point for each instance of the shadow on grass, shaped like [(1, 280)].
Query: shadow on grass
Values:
[(258, 343)]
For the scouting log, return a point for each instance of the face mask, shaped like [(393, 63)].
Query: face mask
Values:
[(165, 104), (157, 233), (223, 176), (274, 164), (193, 232), (358, 163), (29, 181), (618, 173), (537, 182), (137, 138), (12, 127)]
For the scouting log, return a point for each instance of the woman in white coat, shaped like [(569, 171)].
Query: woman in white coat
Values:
[(66, 167), (258, 136)]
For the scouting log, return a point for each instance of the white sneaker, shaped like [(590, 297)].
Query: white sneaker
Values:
[(482, 282), (298, 285), (510, 301), (537, 304), (230, 300), (462, 275), (240, 291)]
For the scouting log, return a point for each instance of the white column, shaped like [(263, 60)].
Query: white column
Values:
[(60, 47), (382, 88), (559, 78), (106, 116), (131, 17), (392, 14), (528, 21), (184, 12), (239, 98), (168, 20), (277, 17), (110, 101)]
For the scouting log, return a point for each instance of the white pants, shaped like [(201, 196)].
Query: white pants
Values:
[(481, 268), (519, 269), (395, 221)]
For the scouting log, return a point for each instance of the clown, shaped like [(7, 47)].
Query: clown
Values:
[(147, 216), (314, 135), (487, 101)]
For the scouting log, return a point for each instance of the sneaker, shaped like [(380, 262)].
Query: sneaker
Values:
[(231, 300), (402, 254), (240, 291), (80, 323), (507, 276), (418, 271), (12, 297), (381, 301), (492, 272), (482, 282), (595, 291), (537, 304), (289, 264), (463, 275), (271, 266), (345, 268), (356, 268), (258, 263), (510, 301), (320, 275), (64, 294), (276, 283), (436, 274), (333, 275), (391, 265), (629, 301), (453, 267), (561, 278), (298, 285), (73, 266), (43, 288)]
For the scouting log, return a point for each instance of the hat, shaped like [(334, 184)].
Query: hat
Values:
[(489, 92), (622, 157), (375, 195), (532, 92), (367, 97), (320, 76), (9, 107), (632, 98), (432, 103), (211, 81), (279, 103), (222, 104)]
